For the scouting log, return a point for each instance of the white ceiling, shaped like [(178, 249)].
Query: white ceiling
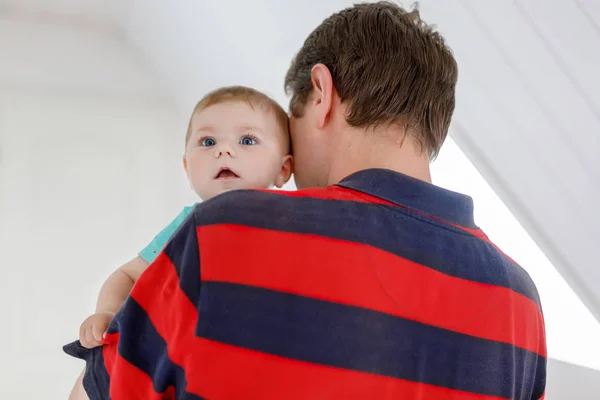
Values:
[(107, 13), (73, 46), (529, 118), (528, 112)]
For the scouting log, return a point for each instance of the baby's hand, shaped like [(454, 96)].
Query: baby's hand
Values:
[(93, 328)]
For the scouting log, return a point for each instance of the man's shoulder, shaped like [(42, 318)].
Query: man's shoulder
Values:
[(245, 198), (239, 198), (239, 205), (518, 277)]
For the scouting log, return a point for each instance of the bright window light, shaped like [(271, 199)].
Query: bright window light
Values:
[(572, 331)]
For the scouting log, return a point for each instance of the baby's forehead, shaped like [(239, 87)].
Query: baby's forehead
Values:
[(237, 115)]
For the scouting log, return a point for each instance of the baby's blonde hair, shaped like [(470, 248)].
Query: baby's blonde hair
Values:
[(253, 97)]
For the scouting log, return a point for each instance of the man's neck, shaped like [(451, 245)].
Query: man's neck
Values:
[(366, 150)]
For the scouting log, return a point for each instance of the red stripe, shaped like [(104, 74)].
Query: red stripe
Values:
[(541, 323), (364, 276), (130, 383), (172, 314), (109, 351), (214, 370), (332, 193)]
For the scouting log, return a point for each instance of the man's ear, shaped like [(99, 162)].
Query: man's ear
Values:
[(287, 168), (322, 82)]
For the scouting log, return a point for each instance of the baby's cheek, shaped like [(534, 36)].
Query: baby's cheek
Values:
[(201, 188)]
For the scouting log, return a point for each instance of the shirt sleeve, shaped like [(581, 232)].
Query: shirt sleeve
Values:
[(159, 242), (134, 357)]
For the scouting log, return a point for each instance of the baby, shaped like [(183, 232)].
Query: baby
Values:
[(237, 138)]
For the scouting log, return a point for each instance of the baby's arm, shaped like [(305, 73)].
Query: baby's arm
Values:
[(117, 287), (112, 295)]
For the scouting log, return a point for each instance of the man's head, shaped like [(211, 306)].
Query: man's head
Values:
[(370, 67), (237, 138)]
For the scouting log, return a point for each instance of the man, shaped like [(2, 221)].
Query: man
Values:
[(377, 285)]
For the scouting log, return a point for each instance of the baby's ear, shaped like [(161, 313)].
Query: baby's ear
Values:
[(185, 167), (287, 168)]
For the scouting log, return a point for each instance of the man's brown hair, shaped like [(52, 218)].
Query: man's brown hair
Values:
[(253, 97), (387, 65)]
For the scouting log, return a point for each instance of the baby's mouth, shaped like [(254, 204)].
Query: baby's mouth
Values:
[(226, 174)]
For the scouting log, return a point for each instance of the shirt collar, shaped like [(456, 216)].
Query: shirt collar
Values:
[(415, 194)]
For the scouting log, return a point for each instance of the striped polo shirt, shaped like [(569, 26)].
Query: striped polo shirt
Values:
[(379, 287)]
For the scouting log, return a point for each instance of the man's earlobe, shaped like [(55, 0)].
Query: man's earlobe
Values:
[(323, 92)]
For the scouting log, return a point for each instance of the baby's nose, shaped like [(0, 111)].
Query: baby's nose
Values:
[(224, 150)]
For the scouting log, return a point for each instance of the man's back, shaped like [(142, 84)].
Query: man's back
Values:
[(380, 287)]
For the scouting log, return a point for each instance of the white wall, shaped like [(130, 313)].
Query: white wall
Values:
[(571, 382), (90, 153), (85, 182)]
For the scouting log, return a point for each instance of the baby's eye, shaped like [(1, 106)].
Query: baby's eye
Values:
[(207, 142), (248, 141)]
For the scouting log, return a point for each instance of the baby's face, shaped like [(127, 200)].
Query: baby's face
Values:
[(235, 146)]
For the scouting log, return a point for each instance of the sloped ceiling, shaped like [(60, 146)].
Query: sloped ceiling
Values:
[(70, 46), (529, 118), (106, 13), (528, 113)]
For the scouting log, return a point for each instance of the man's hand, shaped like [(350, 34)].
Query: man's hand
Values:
[(92, 330)]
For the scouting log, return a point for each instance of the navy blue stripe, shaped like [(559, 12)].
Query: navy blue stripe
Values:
[(142, 346), (189, 396), (393, 229), (353, 338), (95, 380), (183, 252)]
